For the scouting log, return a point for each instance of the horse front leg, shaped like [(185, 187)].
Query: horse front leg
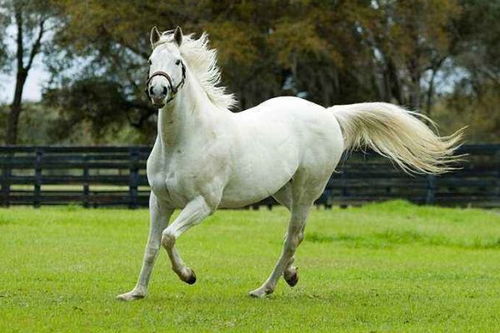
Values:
[(194, 212), (159, 216), (293, 238)]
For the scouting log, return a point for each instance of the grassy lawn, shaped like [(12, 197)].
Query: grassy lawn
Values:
[(383, 267)]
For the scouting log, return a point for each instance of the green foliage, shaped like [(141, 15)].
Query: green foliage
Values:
[(40, 125), (474, 101), (331, 52), (383, 267), (99, 104), (5, 20), (478, 110)]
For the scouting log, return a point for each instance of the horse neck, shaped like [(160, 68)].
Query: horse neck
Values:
[(190, 113)]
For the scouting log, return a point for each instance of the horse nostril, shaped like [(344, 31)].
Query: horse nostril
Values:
[(165, 91), (151, 91)]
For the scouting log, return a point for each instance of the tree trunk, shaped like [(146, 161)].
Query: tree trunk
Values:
[(414, 97), (15, 109), (22, 72), (393, 82), (430, 91)]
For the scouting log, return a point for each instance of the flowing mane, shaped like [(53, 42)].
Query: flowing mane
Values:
[(202, 61)]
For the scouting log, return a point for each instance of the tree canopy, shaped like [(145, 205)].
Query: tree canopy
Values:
[(440, 57)]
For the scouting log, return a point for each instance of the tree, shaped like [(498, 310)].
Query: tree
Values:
[(265, 49), (31, 20), (98, 104), (474, 99), (410, 39), (331, 52)]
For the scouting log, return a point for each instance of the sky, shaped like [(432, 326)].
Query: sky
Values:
[(33, 88), (36, 76)]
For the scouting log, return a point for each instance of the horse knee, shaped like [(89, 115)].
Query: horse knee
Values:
[(168, 239), (291, 247)]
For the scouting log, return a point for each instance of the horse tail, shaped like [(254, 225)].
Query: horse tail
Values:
[(398, 134)]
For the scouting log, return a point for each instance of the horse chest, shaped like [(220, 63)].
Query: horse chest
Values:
[(173, 178)]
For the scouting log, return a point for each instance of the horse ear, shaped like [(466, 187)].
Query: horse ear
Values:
[(154, 36), (178, 35)]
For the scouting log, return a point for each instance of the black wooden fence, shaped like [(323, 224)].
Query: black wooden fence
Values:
[(116, 176)]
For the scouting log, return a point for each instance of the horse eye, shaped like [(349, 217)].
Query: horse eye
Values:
[(177, 62), (149, 62)]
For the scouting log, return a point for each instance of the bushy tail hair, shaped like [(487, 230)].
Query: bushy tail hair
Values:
[(399, 135)]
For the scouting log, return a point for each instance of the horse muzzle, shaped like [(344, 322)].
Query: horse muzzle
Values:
[(157, 95), (158, 103)]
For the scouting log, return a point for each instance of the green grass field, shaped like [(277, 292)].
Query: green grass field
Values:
[(383, 267)]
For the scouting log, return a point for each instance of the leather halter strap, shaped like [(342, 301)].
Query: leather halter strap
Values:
[(173, 89)]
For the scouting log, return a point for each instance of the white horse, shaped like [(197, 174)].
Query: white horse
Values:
[(206, 157)]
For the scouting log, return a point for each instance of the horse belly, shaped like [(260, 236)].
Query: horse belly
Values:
[(264, 166), (250, 190)]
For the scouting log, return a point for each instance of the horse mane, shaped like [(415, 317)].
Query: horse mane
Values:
[(202, 61)]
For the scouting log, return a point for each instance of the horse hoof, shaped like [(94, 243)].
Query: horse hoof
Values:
[(130, 296), (292, 278), (260, 293), (190, 278)]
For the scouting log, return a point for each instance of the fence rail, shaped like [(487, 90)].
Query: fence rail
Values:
[(116, 176)]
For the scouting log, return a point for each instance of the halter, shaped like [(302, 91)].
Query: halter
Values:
[(173, 89)]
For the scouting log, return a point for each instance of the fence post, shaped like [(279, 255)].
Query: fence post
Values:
[(38, 177), (6, 173), (342, 181), (326, 197), (133, 177), (86, 182), (344, 191), (431, 190), (497, 164)]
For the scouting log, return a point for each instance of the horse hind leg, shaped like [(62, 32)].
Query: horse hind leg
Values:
[(306, 187), (284, 197), (295, 227), (291, 273)]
